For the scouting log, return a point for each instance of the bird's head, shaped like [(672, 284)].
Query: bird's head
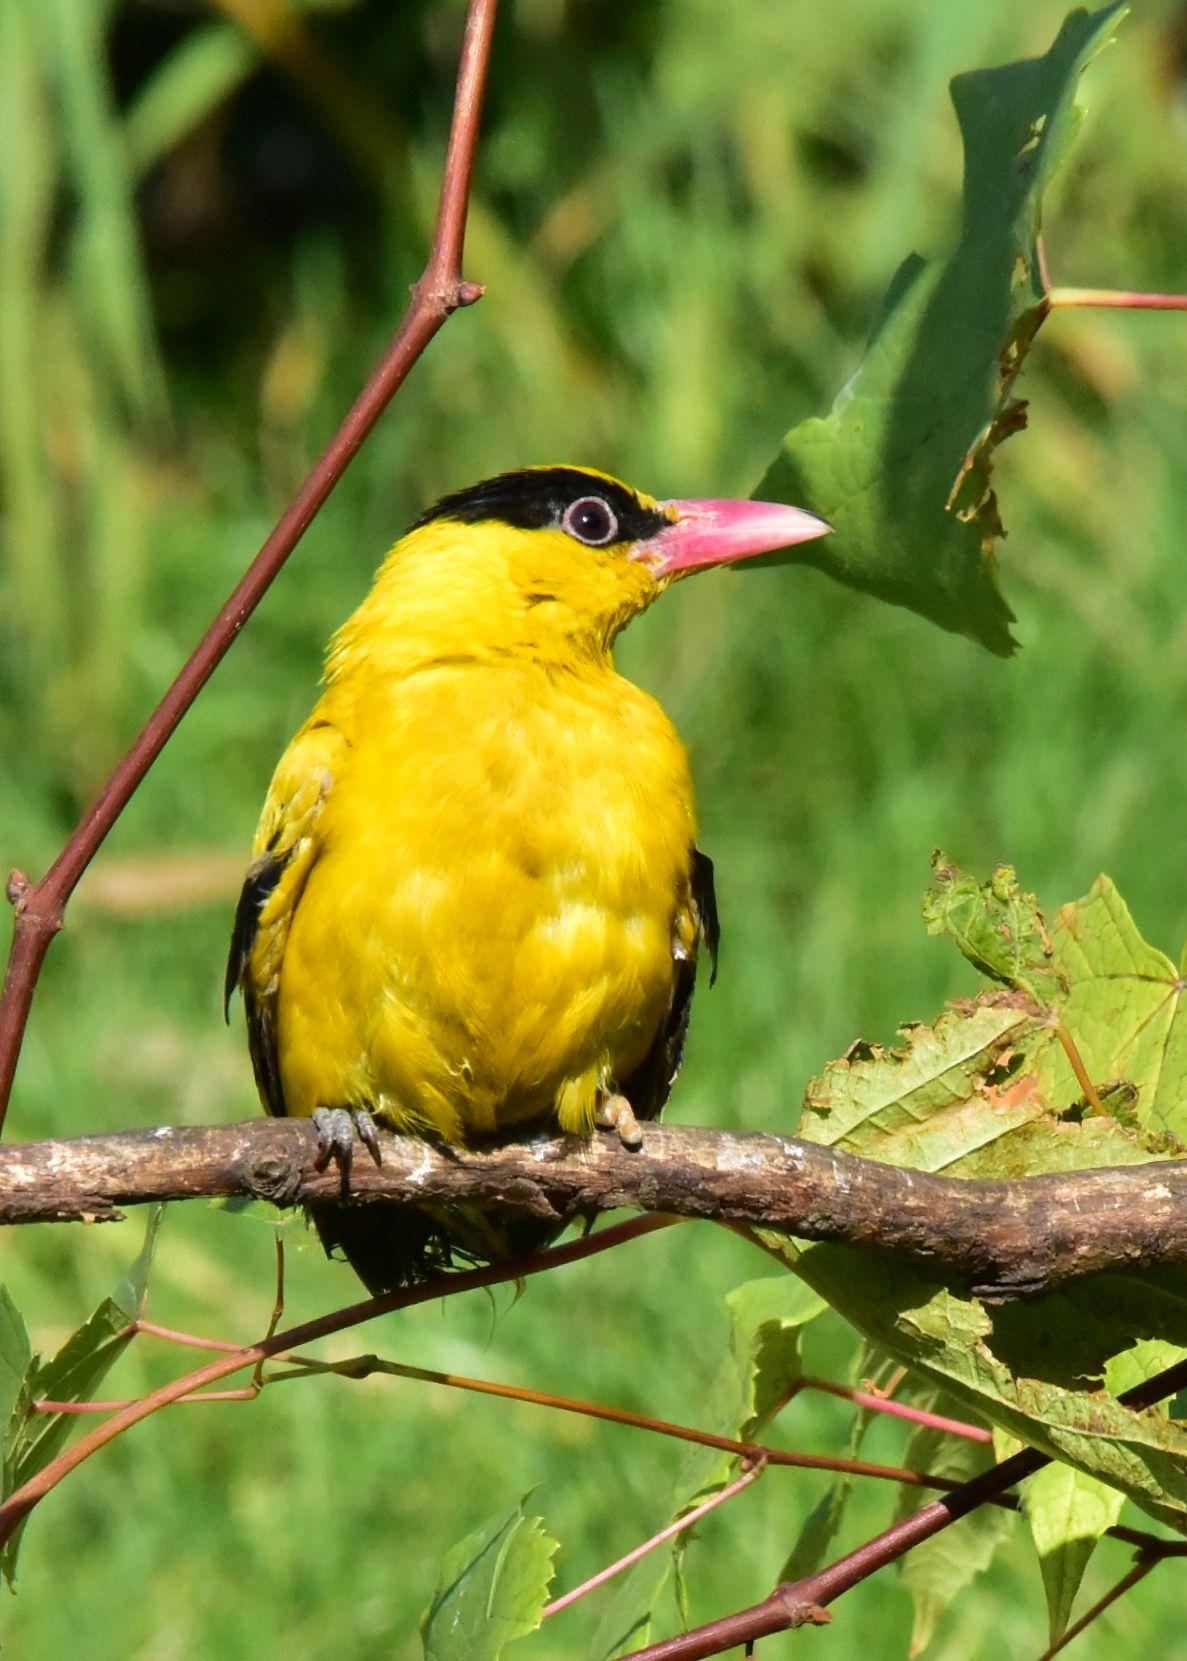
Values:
[(561, 558)]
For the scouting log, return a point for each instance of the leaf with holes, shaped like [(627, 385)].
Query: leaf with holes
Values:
[(987, 1091)]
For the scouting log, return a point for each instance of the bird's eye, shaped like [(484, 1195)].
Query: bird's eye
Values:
[(591, 520)]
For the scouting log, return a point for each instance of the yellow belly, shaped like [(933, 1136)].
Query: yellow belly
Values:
[(487, 932)]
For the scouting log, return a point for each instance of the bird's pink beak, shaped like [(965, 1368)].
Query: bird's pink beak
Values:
[(718, 532)]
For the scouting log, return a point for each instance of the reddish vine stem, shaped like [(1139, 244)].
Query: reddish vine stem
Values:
[(1119, 299), (23, 1499), (681, 1526), (440, 291), (805, 1602), (365, 1366), (897, 1409)]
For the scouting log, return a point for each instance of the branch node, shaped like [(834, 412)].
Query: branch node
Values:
[(800, 1611), (274, 1178), (16, 888), (467, 293)]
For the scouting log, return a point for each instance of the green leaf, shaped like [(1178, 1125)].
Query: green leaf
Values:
[(823, 1522), (901, 464), (1124, 1006), (767, 1319), (1067, 1512), (927, 1104), (492, 1588), (988, 1091), (761, 1364), (939, 1569), (130, 1294), (15, 1354), (996, 924), (35, 1438)]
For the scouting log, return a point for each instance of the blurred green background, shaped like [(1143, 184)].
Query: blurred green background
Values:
[(685, 217)]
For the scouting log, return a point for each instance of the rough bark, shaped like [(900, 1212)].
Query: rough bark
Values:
[(1009, 1237)]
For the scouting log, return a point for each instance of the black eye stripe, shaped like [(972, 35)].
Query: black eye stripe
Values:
[(538, 498)]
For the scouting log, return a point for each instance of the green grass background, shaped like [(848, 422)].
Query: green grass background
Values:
[(685, 216)]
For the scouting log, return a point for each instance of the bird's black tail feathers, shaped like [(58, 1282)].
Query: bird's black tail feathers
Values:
[(390, 1247)]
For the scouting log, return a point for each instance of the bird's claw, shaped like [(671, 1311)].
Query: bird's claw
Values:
[(614, 1112), (338, 1130)]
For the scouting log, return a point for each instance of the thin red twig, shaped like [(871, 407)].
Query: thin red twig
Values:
[(680, 1526), (899, 1410), (189, 1340), (22, 1501), (1119, 299), (440, 291)]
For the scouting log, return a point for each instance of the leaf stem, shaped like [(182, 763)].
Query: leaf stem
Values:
[(364, 1366)]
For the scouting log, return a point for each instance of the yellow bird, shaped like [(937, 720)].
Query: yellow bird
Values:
[(475, 899)]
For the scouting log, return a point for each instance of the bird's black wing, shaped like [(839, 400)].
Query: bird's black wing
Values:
[(258, 888), (286, 849), (649, 1086)]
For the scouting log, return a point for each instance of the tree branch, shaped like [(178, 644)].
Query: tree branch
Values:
[(439, 292), (1006, 1238)]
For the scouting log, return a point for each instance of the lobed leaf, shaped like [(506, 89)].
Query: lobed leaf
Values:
[(936, 1571), (1125, 1007), (901, 464), (988, 1090)]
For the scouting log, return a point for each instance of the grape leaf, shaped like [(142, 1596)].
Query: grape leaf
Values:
[(762, 1362), (996, 924), (32, 1438), (1125, 1005), (1067, 1512), (492, 1589), (987, 1091), (937, 1570), (901, 464)]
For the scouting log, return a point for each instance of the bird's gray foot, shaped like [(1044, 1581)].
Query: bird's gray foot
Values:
[(339, 1130), (614, 1112)]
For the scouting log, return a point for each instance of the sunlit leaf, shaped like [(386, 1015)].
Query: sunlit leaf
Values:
[(938, 1570), (996, 924), (492, 1588), (977, 1096), (73, 1374), (901, 464)]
